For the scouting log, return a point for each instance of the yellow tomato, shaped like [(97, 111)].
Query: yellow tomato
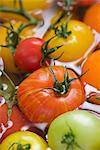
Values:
[(77, 43), (8, 60), (27, 4), (26, 32), (6, 53), (25, 140)]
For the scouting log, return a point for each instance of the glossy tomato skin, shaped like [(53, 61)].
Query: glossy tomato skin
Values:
[(92, 17), (83, 125), (92, 68), (17, 118), (28, 54), (45, 105), (6, 53), (24, 138), (74, 46)]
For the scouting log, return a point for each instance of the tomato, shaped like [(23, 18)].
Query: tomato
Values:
[(23, 140), (75, 130), (42, 98), (28, 54), (74, 46), (6, 53), (92, 17), (92, 68), (33, 4), (17, 118), (94, 98), (86, 2)]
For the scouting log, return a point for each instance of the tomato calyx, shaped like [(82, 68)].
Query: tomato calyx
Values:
[(62, 31), (13, 37), (70, 141), (62, 88), (21, 11), (98, 98), (20, 146), (8, 91), (46, 51)]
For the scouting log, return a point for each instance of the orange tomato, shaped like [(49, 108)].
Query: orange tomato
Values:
[(92, 17), (43, 105), (94, 98), (92, 69)]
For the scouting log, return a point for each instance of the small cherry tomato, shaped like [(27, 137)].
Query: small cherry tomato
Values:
[(28, 54), (6, 52), (23, 141)]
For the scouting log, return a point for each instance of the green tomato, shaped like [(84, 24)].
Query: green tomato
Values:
[(23, 140), (76, 130)]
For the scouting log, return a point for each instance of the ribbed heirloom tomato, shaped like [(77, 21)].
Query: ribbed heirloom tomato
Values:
[(49, 92)]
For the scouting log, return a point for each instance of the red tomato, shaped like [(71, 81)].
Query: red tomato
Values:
[(18, 120), (76, 2), (16, 117), (43, 105), (28, 54), (86, 2)]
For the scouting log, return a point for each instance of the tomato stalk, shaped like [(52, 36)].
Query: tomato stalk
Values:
[(46, 51), (20, 146), (62, 31), (13, 37), (9, 92), (21, 11), (62, 88), (67, 4)]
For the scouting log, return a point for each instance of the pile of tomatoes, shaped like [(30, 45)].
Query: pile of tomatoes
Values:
[(43, 81)]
